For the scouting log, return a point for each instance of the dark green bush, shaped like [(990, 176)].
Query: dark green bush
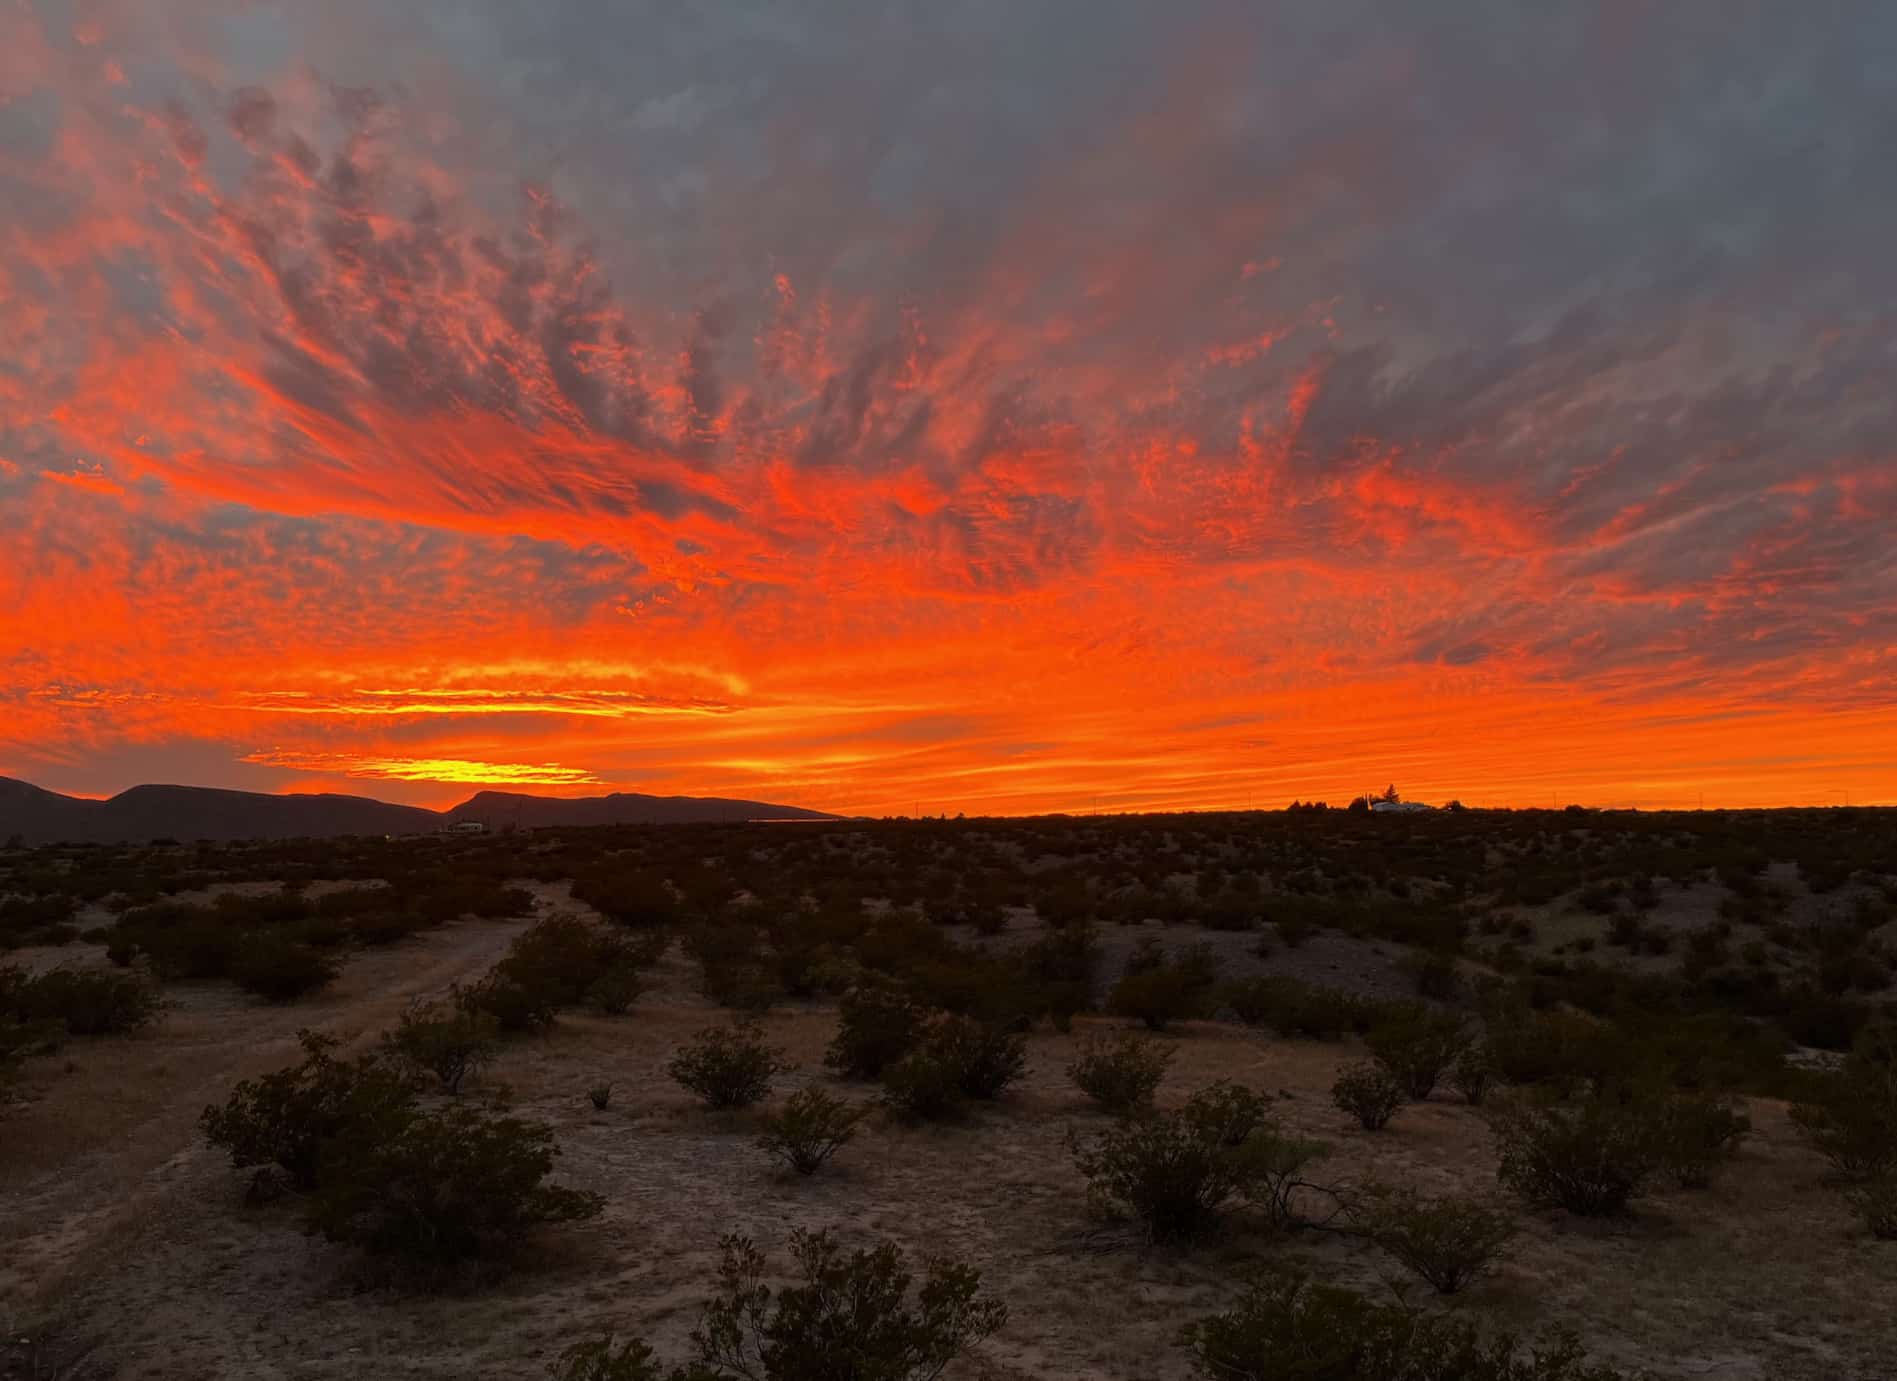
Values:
[(436, 1190), (875, 1028), (1292, 1007), (445, 1040), (728, 1066), (851, 1317), (1227, 1113), (608, 1359), (1164, 1171), (290, 1118), (1417, 1044), (1876, 1203), (985, 1058), (1472, 1074), (810, 1128), (1448, 1240), (1160, 993), (1696, 1133), (1852, 1119), (924, 1086), (1122, 1073), (280, 968), (1590, 1157), (81, 1002), (1289, 1330), (1369, 1093)]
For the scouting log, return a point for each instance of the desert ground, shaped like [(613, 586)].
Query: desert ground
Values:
[(128, 1248)]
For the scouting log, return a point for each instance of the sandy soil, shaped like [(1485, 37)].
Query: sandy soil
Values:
[(124, 1240)]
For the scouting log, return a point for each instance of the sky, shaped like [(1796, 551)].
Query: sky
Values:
[(999, 406)]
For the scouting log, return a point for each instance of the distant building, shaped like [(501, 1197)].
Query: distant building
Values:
[(1398, 807), (466, 827)]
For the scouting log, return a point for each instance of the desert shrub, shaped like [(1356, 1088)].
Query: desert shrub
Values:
[(728, 1066), (1563, 1050), (1271, 1165), (513, 1005), (444, 1040), (1292, 1007), (1121, 1074), (810, 1128), (1369, 1093), (1448, 1240), (1472, 1073), (279, 967), (875, 1028), (600, 1096), (1875, 1201), (1852, 1119), (289, 1118), (435, 1190), (1290, 1329), (851, 1317), (1226, 1113), (559, 958), (1164, 1171), (1589, 1157), (608, 1359), (1416, 1044), (614, 991), (1159, 993), (985, 1058), (1695, 1133), (924, 1086), (80, 1002)]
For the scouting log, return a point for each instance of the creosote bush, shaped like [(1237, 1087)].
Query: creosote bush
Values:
[(728, 1066), (1852, 1120), (280, 968), (1695, 1134), (76, 1002), (1174, 1172), (1472, 1074), (811, 1127), (1417, 1044), (1448, 1240), (289, 1119), (452, 1043), (439, 1190), (1120, 1073), (1589, 1157), (1369, 1093), (1226, 1113), (850, 1317), (1159, 992), (1287, 1329), (875, 1028), (1875, 1201)]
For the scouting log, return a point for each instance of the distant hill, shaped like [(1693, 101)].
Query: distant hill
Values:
[(188, 813), (498, 809)]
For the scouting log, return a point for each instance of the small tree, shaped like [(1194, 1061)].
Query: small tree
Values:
[(812, 1127), (452, 1043), (1369, 1093), (851, 1318), (728, 1067), (1120, 1074)]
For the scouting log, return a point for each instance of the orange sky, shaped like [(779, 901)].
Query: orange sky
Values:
[(385, 416)]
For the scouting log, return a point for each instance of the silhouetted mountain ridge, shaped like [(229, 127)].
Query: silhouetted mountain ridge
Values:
[(143, 813)]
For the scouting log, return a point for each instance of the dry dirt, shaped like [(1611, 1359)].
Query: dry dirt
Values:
[(124, 1242)]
